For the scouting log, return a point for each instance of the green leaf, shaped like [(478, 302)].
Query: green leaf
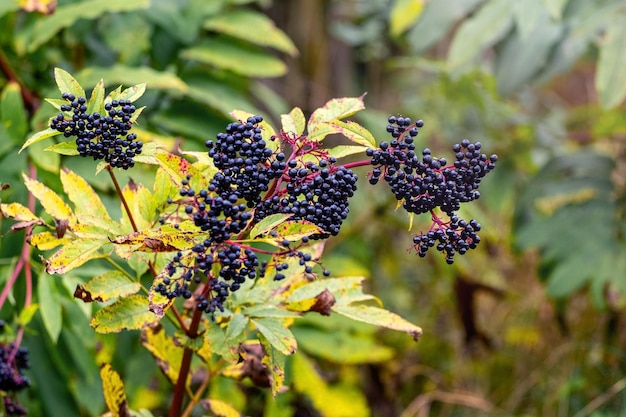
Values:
[(404, 13), (610, 77), (129, 313), (277, 334), (64, 16), (121, 74), (240, 23), (12, 112), (50, 306), (105, 287), (63, 148), (51, 202), (334, 285), (342, 151), (472, 37), (133, 93), (341, 347), (378, 317), (519, 59), (39, 136), (74, 254), (242, 60), (218, 94), (268, 223), (237, 325), (294, 122), (556, 7), (96, 100), (337, 108), (67, 83)]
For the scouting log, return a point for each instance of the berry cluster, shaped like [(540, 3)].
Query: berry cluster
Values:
[(12, 379), (316, 193), (424, 183), (252, 182), (101, 136)]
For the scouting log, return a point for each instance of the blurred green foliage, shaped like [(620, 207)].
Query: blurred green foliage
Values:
[(540, 82)]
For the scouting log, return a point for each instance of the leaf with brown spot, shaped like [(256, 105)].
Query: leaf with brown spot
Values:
[(323, 303), (113, 389), (108, 286), (167, 354)]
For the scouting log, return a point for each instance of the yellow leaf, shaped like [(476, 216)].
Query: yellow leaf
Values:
[(107, 286), (378, 317), (47, 241), (73, 255), (51, 202), (220, 408), (293, 122), (164, 239), (85, 200), (337, 108), (403, 14), (114, 394), (167, 354), (17, 211)]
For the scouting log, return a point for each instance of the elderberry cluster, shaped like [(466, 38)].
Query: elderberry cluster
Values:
[(424, 183), (241, 155), (12, 378), (318, 193), (101, 136), (456, 237)]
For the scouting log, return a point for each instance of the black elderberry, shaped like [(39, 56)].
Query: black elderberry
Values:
[(108, 140)]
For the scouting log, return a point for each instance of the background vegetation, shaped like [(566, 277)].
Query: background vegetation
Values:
[(531, 324)]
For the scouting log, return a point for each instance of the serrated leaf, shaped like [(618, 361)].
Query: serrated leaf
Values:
[(239, 23), (277, 334), (226, 55), (74, 254), (85, 199), (471, 38), (166, 353), (293, 122), (129, 313), (404, 13), (610, 78), (51, 202), (219, 408), (50, 306), (63, 148), (355, 132), (268, 223), (38, 137), (96, 100), (13, 113), (237, 325), (275, 362), (113, 389), (105, 287), (18, 212), (378, 317), (335, 109), (67, 83), (47, 241)]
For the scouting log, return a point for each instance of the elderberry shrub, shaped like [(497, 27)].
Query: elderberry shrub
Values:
[(101, 136), (252, 182), (12, 379), (424, 183)]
